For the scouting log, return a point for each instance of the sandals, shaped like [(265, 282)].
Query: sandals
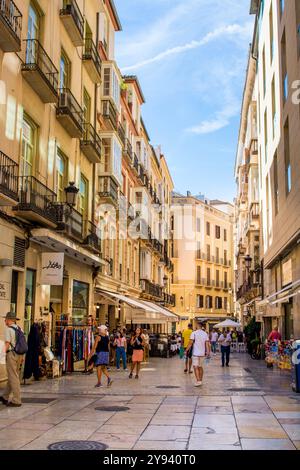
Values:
[(130, 375)]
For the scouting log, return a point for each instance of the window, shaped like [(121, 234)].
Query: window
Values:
[(64, 71), (285, 78), (225, 280), (217, 278), (225, 235), (282, 5), (288, 171), (117, 160), (274, 120), (33, 23), (209, 301), (200, 301), (83, 195), (86, 106), (198, 250), (198, 274), (29, 132), (208, 252), (198, 224), (218, 232), (80, 304), (217, 255), (218, 303), (225, 303), (225, 257), (61, 175), (208, 228), (276, 192), (208, 276)]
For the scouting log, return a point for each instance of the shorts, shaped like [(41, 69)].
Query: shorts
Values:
[(102, 359), (198, 361), (138, 355), (190, 354)]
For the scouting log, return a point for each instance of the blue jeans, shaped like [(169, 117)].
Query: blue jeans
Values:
[(225, 350), (213, 346), (121, 353)]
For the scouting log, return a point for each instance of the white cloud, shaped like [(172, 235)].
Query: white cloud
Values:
[(221, 120), (229, 30)]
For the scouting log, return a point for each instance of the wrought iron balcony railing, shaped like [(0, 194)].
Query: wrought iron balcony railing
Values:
[(91, 143), (108, 188), (69, 221), (121, 133), (10, 26), (92, 239), (36, 198), (90, 54), (8, 177), (135, 162), (152, 289), (70, 113), (128, 150), (110, 114), (73, 20)]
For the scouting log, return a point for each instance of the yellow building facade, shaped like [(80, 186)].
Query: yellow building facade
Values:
[(203, 260)]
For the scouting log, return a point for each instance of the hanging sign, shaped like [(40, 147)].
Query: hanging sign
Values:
[(52, 269)]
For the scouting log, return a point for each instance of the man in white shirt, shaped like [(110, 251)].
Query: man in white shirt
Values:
[(213, 340), (225, 341), (199, 341)]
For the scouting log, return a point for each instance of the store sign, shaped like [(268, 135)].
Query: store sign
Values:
[(52, 269), (287, 275), (4, 290)]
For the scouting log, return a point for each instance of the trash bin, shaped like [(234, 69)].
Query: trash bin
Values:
[(296, 366)]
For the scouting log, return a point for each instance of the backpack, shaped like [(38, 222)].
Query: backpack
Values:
[(21, 346)]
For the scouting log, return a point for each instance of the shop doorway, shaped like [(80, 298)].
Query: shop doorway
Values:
[(14, 292), (288, 329), (29, 300)]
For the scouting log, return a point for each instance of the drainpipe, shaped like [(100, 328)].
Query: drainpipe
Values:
[(95, 126)]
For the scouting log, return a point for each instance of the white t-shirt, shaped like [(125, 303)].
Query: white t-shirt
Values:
[(214, 336), (199, 337)]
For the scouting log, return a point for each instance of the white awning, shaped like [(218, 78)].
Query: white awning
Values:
[(162, 310), (134, 303)]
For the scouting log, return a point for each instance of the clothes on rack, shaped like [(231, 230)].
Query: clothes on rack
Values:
[(36, 344), (75, 344)]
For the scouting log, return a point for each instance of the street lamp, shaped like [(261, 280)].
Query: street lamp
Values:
[(71, 195)]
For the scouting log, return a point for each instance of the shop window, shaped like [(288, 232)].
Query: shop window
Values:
[(80, 304)]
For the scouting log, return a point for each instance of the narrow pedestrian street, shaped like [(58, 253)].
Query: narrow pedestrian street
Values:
[(245, 406)]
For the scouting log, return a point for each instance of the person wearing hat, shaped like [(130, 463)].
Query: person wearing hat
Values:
[(101, 350), (13, 363)]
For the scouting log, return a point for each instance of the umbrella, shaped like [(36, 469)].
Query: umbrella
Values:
[(228, 324)]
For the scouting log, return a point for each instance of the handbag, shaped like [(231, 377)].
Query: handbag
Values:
[(48, 354)]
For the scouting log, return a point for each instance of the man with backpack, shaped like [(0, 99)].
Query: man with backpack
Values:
[(15, 348)]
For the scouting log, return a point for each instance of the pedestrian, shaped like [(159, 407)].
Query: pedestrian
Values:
[(130, 348), (274, 335), (199, 341), (137, 342), (120, 343), (112, 350), (186, 336), (225, 341), (13, 363), (146, 346), (101, 348), (213, 341)]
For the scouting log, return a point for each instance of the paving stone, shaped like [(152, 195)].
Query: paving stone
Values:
[(267, 444), (165, 433), (259, 426)]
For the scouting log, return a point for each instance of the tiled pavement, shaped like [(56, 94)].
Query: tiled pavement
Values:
[(219, 415)]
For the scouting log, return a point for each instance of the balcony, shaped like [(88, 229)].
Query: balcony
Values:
[(168, 263), (90, 144), (130, 212), (146, 181), (73, 21), (70, 114), (10, 26), (154, 290), (91, 60), (36, 202), (70, 222), (141, 172), (108, 189), (8, 181), (40, 72), (248, 290), (169, 299), (92, 240), (127, 151), (121, 134), (135, 163), (110, 115)]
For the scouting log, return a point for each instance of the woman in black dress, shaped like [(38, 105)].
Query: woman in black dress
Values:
[(101, 349)]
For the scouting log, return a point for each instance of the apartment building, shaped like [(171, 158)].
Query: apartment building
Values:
[(74, 154), (247, 266), (203, 259), (276, 48)]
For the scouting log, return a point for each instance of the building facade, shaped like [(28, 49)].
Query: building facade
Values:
[(276, 48), (74, 158), (203, 259)]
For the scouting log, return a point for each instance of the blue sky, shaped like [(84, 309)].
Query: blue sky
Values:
[(191, 58)]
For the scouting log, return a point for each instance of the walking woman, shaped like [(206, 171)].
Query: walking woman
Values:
[(137, 342), (101, 348), (120, 343)]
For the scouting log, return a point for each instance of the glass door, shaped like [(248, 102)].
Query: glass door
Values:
[(27, 148), (32, 33), (29, 300)]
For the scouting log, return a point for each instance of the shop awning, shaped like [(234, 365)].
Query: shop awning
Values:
[(283, 295), (134, 303), (161, 310), (54, 241)]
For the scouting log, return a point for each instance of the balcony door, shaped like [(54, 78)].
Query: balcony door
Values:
[(83, 196), (32, 33), (28, 147), (64, 71), (61, 175), (86, 106)]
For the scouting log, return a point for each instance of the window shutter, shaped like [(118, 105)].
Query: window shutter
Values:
[(19, 252)]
